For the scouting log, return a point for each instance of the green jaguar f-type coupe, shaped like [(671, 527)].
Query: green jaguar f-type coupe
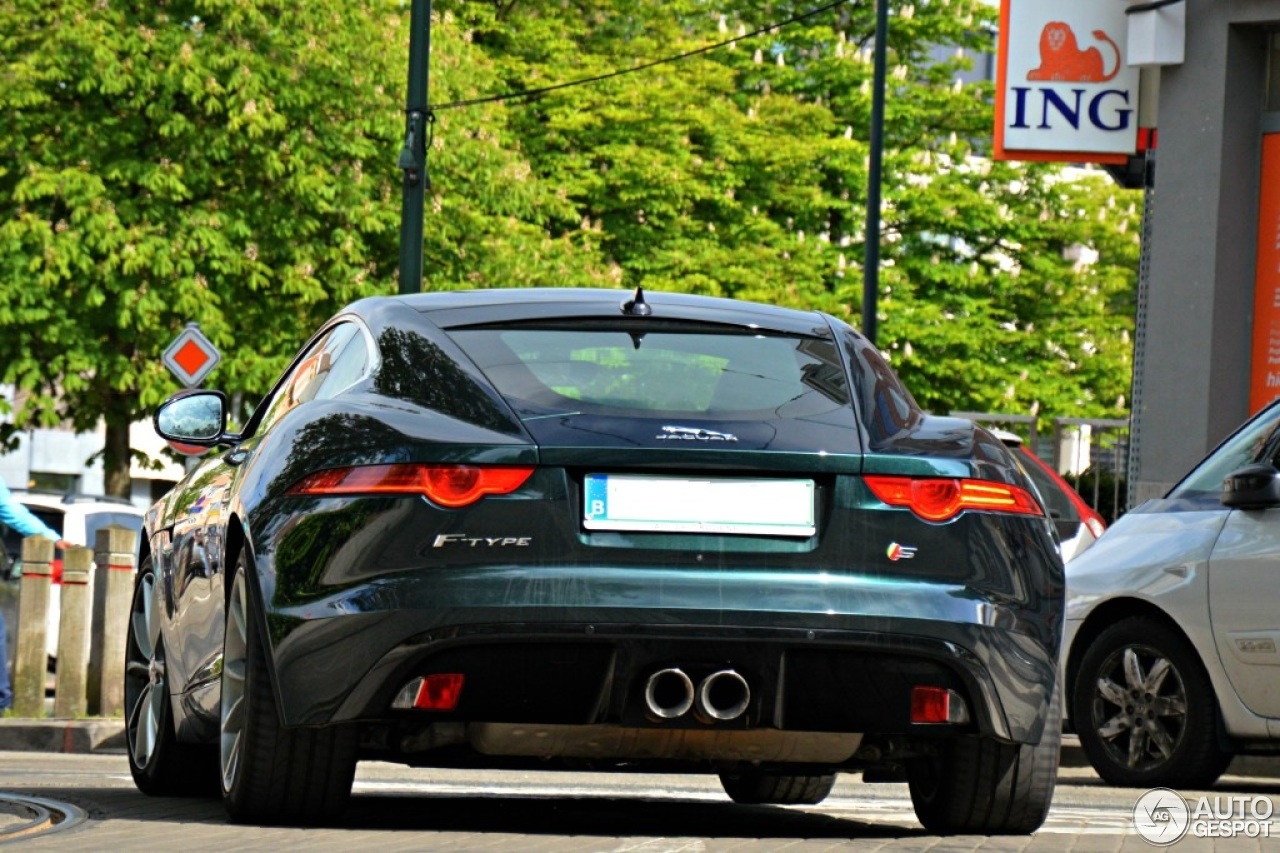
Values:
[(595, 529)]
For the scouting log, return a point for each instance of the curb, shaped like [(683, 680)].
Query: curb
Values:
[(1264, 766), (27, 735)]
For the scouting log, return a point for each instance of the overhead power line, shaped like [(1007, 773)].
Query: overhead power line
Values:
[(524, 94)]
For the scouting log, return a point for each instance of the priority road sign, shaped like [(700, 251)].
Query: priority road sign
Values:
[(191, 356)]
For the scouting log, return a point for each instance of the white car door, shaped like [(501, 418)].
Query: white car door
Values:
[(1244, 606)]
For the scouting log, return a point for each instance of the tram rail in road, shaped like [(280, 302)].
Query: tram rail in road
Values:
[(24, 817)]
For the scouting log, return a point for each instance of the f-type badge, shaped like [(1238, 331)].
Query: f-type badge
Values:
[(679, 433), (466, 541), (898, 552)]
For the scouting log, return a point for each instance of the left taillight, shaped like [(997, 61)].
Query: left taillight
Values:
[(943, 498), (445, 485)]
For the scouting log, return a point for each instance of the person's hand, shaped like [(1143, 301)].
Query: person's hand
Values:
[(63, 544)]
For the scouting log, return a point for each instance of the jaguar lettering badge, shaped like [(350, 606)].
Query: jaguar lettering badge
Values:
[(677, 433), (481, 541)]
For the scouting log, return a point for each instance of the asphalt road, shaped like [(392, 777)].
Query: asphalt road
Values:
[(399, 808)]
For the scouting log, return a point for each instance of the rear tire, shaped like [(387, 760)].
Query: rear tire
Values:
[(270, 773), (755, 787), (161, 765), (978, 785)]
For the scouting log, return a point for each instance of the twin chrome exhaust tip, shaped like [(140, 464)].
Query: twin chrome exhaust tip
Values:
[(721, 696)]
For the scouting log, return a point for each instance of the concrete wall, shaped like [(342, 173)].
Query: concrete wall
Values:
[(1196, 363)]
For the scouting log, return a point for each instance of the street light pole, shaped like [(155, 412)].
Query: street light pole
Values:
[(413, 157), (871, 258)]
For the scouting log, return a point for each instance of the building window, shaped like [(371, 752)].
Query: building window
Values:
[(47, 482)]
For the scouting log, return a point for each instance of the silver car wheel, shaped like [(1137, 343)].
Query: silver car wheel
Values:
[(1141, 703), (234, 664), (144, 675)]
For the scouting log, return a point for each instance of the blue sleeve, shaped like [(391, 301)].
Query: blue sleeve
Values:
[(19, 518)]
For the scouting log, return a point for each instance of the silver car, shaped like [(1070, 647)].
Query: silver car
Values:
[(1173, 623)]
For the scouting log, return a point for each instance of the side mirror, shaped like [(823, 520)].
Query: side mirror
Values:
[(1252, 487), (193, 417)]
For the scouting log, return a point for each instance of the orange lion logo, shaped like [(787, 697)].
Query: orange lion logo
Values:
[(1061, 58)]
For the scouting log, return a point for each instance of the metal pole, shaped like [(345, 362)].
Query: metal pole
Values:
[(413, 157), (871, 262)]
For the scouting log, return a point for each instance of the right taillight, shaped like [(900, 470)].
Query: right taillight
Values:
[(943, 498)]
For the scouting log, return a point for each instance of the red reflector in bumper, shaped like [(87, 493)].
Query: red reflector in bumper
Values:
[(431, 693), (937, 705)]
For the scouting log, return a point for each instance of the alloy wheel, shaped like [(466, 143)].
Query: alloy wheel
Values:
[(145, 692), (1139, 707), (234, 666)]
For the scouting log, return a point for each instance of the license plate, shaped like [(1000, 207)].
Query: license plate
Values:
[(698, 505)]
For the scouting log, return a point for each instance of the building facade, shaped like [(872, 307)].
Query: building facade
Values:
[(1209, 287), (59, 460)]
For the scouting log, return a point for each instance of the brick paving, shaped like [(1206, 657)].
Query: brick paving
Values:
[(397, 808)]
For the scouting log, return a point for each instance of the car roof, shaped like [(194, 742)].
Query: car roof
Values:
[(467, 307), (1009, 438), (65, 501)]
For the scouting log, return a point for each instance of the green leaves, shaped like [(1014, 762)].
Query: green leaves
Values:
[(742, 172), (186, 162), (209, 161)]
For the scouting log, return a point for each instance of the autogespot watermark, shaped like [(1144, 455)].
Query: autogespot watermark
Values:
[(1163, 816)]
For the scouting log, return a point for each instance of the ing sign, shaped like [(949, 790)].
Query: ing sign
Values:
[(1063, 88)]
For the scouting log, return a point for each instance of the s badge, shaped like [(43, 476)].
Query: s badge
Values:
[(898, 552)]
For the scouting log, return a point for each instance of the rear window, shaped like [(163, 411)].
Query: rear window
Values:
[(1057, 502), (95, 521), (715, 376)]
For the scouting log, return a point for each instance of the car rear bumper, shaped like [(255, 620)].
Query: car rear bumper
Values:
[(820, 653)]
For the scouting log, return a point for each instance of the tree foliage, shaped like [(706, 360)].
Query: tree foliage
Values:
[(178, 162), (742, 172), (214, 161)]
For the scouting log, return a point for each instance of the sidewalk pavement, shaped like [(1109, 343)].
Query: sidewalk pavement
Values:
[(107, 736), (18, 734)]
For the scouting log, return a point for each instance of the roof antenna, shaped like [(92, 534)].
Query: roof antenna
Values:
[(636, 306)]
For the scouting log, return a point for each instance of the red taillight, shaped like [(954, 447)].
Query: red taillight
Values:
[(939, 499), (446, 485)]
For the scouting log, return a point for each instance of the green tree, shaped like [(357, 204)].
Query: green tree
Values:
[(1026, 305), (206, 160), (741, 172)]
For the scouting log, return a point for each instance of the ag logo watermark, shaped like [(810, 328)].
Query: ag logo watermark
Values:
[(1163, 816)]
